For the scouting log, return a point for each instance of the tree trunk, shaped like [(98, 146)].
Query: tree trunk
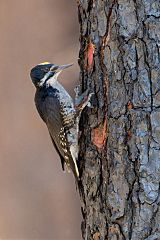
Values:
[(120, 134)]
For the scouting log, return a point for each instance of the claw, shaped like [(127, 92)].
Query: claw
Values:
[(89, 100), (83, 100)]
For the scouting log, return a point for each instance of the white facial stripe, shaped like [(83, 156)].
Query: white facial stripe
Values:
[(44, 79), (53, 79)]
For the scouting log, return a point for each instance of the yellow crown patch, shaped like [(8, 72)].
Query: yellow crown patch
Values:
[(44, 63)]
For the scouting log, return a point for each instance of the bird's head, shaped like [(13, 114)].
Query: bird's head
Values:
[(46, 73)]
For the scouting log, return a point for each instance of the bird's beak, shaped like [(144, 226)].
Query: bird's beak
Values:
[(62, 67)]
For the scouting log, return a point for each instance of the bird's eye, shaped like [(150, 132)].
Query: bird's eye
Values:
[(53, 69)]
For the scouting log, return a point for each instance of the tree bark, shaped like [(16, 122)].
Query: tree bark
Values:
[(120, 135)]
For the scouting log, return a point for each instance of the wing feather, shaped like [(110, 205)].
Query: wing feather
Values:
[(50, 110)]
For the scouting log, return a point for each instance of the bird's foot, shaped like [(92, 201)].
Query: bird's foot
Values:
[(83, 100)]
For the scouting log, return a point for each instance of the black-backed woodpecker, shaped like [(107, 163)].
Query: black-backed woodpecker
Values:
[(58, 110)]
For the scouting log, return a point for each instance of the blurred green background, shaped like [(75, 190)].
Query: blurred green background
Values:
[(37, 200)]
